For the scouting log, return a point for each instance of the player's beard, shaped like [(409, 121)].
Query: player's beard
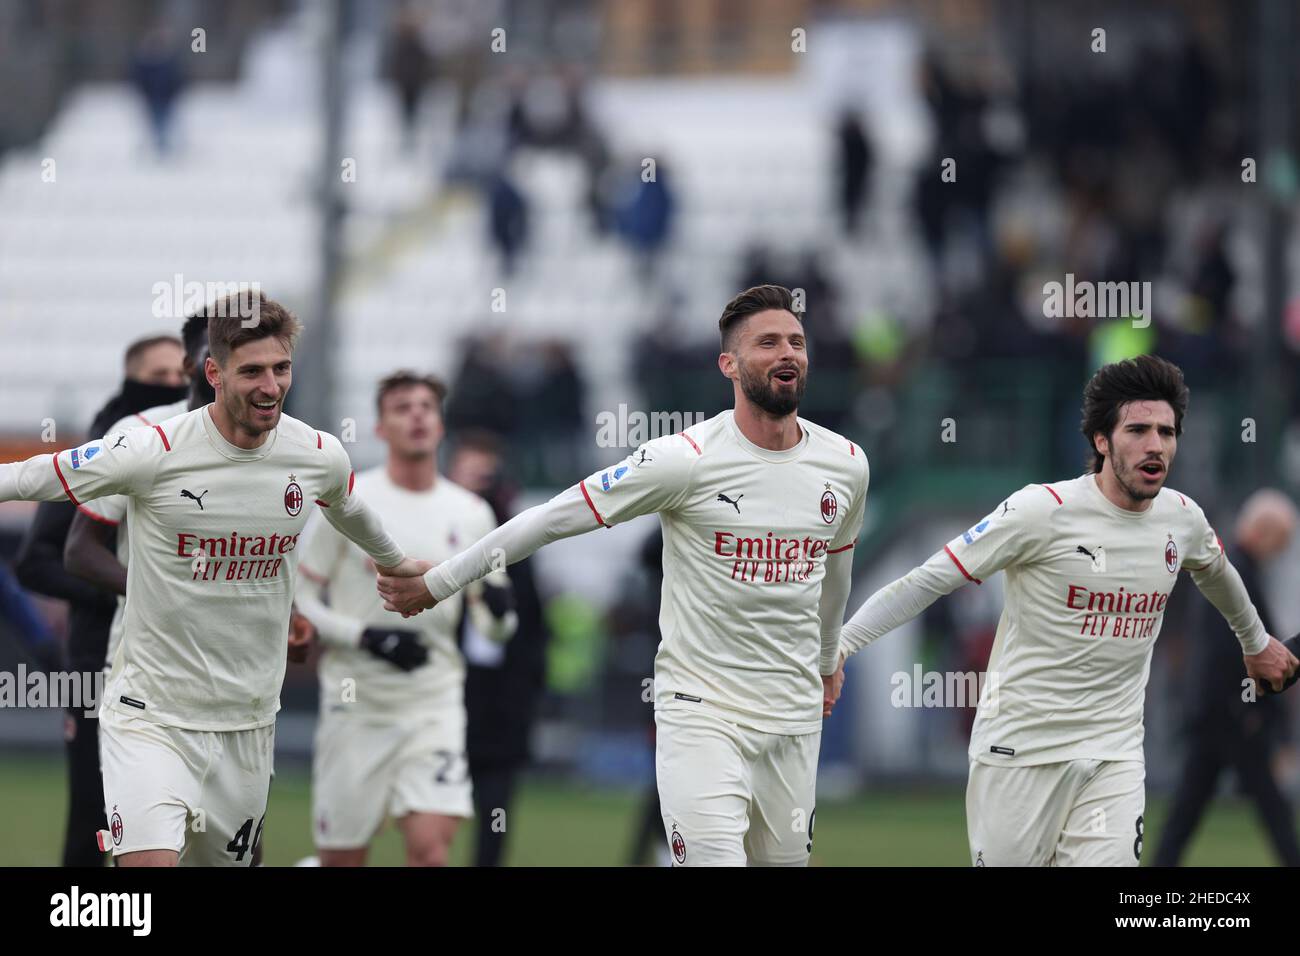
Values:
[(1124, 474), (243, 415), (759, 389)]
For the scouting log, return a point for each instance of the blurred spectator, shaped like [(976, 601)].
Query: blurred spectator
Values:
[(673, 370), (507, 218), (643, 212), (410, 67), (156, 72), (1224, 730), (548, 113), (854, 169), (502, 682), (551, 397), (482, 397), (958, 203)]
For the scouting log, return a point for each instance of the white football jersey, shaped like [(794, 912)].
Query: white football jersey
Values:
[(1087, 584), (214, 533), (746, 536)]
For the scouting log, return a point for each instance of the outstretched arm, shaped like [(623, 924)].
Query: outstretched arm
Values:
[(900, 601), (355, 521), (655, 478), (36, 479), (352, 518), (564, 516), (1014, 532), (121, 464)]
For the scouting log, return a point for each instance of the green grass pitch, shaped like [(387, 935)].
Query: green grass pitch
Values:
[(561, 825)]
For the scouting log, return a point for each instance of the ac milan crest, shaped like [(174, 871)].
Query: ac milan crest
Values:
[(1171, 556), (116, 825), (293, 497), (679, 846), (830, 506)]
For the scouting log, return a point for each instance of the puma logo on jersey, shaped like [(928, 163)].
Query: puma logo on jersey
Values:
[(121, 440), (1098, 560), (644, 459), (1006, 506), (735, 504), (197, 500)]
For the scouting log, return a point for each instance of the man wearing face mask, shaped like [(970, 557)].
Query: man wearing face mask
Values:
[(154, 376)]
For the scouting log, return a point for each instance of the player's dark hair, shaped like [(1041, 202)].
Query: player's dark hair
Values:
[(1145, 378), (137, 349), (240, 318), (760, 298), (194, 333), (404, 378)]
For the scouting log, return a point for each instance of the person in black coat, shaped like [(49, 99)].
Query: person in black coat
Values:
[(502, 683), (154, 376), (1227, 728)]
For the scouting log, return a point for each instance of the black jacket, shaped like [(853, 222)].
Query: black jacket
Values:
[(1217, 670)]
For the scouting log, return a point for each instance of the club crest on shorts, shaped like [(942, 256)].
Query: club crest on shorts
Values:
[(1171, 555), (293, 497), (830, 506), (679, 846), (115, 824)]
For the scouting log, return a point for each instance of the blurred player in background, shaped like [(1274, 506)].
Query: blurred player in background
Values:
[(154, 375), (391, 737), (503, 682), (760, 511), (1057, 768), (1227, 726), (218, 498)]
